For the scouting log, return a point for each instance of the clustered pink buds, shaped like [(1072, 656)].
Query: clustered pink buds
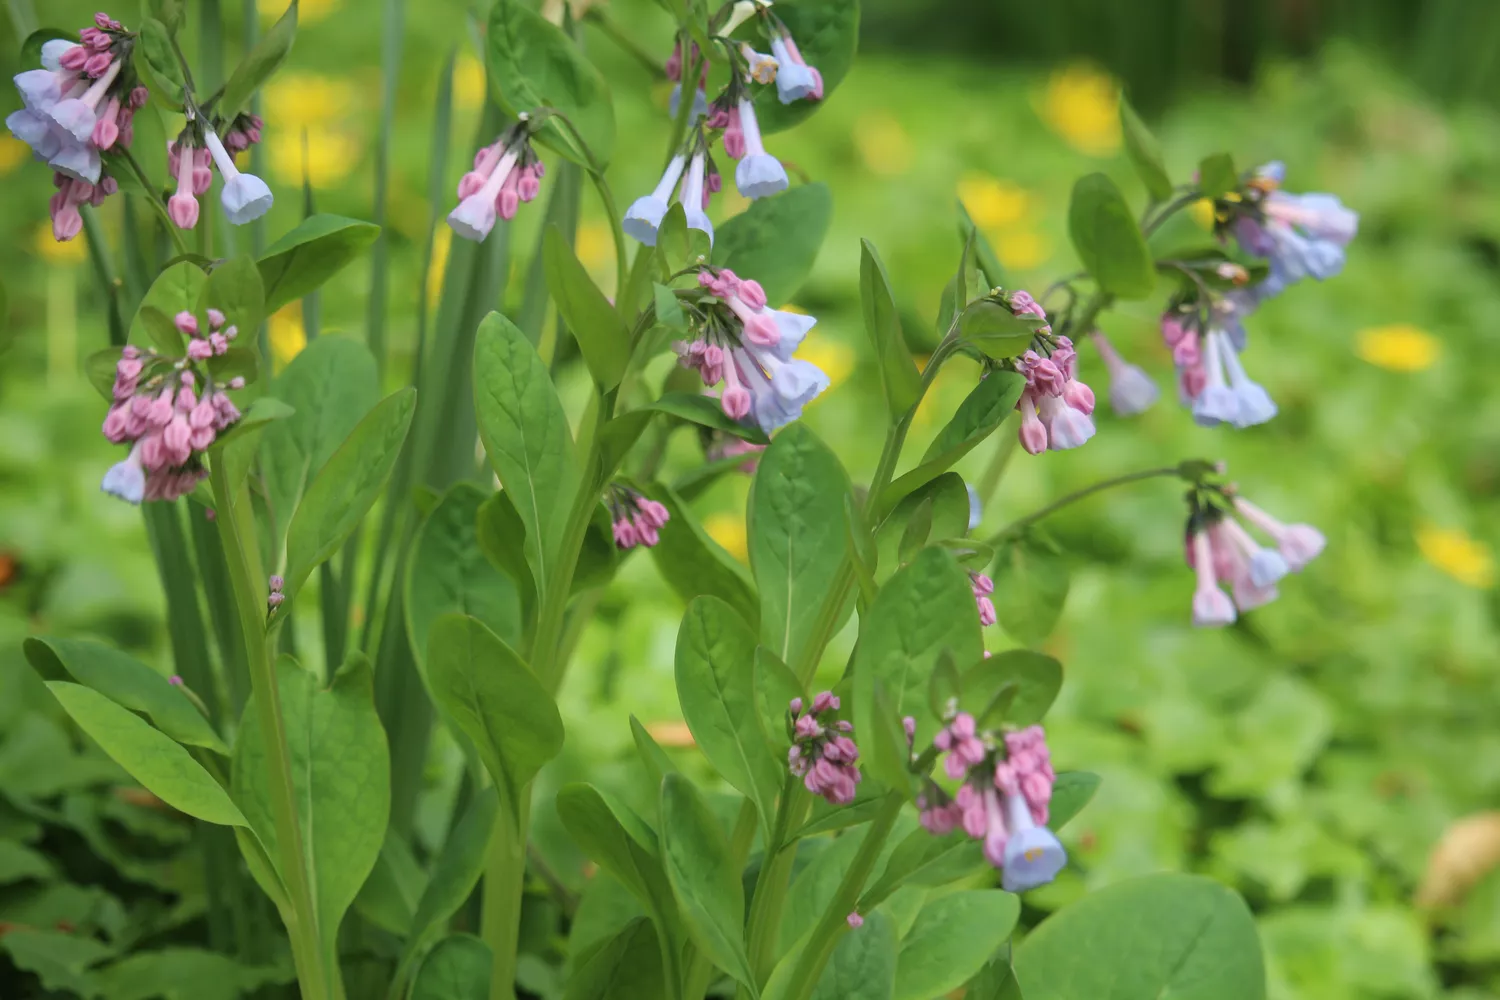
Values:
[(636, 520), (1223, 554), (170, 411), (1206, 349), (506, 173), (192, 168), (1055, 406), (275, 597), (79, 105), (1003, 799), (983, 587), (244, 132), (823, 754)]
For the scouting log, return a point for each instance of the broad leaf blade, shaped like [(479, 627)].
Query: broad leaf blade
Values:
[(1108, 240), (601, 334), (776, 240), (898, 372), (302, 260)]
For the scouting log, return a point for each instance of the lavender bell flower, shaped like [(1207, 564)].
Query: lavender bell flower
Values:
[(245, 196), (1033, 855), (644, 216), (759, 174)]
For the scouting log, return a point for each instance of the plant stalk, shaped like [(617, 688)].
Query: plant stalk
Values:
[(1020, 524)]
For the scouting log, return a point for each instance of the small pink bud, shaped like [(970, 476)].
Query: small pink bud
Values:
[(735, 402), (274, 599), (752, 293), (238, 382), (175, 680), (182, 208), (276, 582), (215, 319), (795, 706), (855, 921), (187, 323)]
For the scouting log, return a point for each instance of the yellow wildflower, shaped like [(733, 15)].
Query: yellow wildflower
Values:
[(596, 250), (308, 11), (729, 531), (287, 335), (1082, 104), (1022, 250), (53, 252), (13, 152), (1202, 212), (1400, 347), (307, 100), (992, 202), (883, 144), (1451, 550), (327, 157), (835, 357), (468, 83)]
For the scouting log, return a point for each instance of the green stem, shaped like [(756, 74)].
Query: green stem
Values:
[(1147, 228), (161, 210), (896, 438), (990, 480), (834, 922), (236, 522), (1083, 323), (601, 19), (616, 230), (99, 258), (769, 896), (390, 64), (1017, 526), (700, 969), (504, 885)]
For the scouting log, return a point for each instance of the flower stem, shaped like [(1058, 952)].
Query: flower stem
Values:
[(596, 175), (151, 196), (1017, 526), (769, 896), (236, 521)]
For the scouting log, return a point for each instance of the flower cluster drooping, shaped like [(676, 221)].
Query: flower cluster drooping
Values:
[(1055, 406), (275, 597), (506, 173), (635, 519), (78, 106), (1206, 346), (983, 587), (749, 347), (170, 411), (191, 158), (1224, 554), (1299, 235), (1005, 786), (823, 754)]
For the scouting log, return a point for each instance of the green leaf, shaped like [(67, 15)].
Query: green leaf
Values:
[(19, 863), (178, 287), (533, 64), (668, 309), (996, 331), (923, 860), (31, 46), (1031, 584), (776, 240), (502, 538), (168, 12), (495, 700), (166, 769), (128, 682), (949, 502), (953, 938), (704, 879), (330, 386), (677, 246), (626, 967), (898, 372), (813, 889), (1217, 176), (613, 837), (827, 34), (302, 260), (602, 336), (270, 50), (348, 484), (775, 687), (1107, 239), (888, 754), (983, 410), (60, 961), (525, 433), (389, 895), (154, 54), (703, 411), (715, 667), (459, 968), (183, 974), (1070, 793), (449, 573), (797, 537), (925, 609), (994, 274), (618, 437), (1034, 679), (692, 563), (863, 963), (341, 773), (235, 289), (1145, 153), (1180, 936)]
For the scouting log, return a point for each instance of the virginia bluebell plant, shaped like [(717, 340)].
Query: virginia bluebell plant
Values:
[(915, 792)]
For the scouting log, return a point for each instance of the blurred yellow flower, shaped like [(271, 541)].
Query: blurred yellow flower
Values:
[(596, 250), (992, 202), (731, 202), (468, 83), (835, 357), (1082, 104), (308, 11), (327, 157), (1400, 347), (883, 144), (53, 252), (1202, 212), (729, 531), (1023, 250), (442, 242), (13, 152), (1451, 550), (287, 335), (294, 100)]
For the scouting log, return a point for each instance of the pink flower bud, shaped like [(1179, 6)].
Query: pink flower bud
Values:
[(187, 323), (215, 319), (752, 293), (735, 402)]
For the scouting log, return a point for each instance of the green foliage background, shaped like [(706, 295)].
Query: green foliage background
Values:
[(1311, 756)]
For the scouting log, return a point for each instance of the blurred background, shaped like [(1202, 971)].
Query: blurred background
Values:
[(1334, 756)]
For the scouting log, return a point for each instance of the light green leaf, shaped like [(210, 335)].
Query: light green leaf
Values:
[(449, 573), (19, 863), (1070, 793), (601, 334), (389, 896), (1217, 176), (704, 880), (922, 860), (1107, 239), (495, 700), (692, 563), (525, 434), (776, 240), (677, 246), (502, 538), (1031, 584), (177, 288), (268, 53), (989, 263), (155, 55), (1032, 679), (1145, 153), (668, 310), (341, 774), (127, 681), (459, 968), (703, 411), (184, 974), (60, 961), (827, 33), (983, 410), (953, 938), (235, 289), (302, 260), (347, 486), (533, 64), (613, 837), (996, 331), (166, 769), (168, 12), (898, 372), (863, 964), (1180, 936), (457, 870), (626, 967)]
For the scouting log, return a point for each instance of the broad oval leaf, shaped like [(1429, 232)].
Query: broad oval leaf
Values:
[(532, 64), (863, 963), (153, 759), (495, 699), (1217, 176), (1180, 936), (1028, 682), (601, 334), (458, 968), (983, 410), (694, 564), (612, 836), (127, 681), (898, 372), (626, 967), (1031, 584), (827, 34), (1070, 793), (996, 331), (235, 289), (178, 287), (349, 483), (302, 260), (1108, 240), (263, 59), (953, 938), (776, 240)]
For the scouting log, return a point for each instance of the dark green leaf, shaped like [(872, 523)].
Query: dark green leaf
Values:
[(184, 974), (59, 960), (177, 288), (268, 53), (601, 334), (235, 289), (922, 859), (775, 687), (898, 372), (457, 969), (994, 329), (302, 260), (776, 240), (983, 410), (1108, 240), (169, 13), (502, 538), (1217, 176), (705, 412), (1031, 585), (668, 311), (1070, 793), (627, 967), (618, 437), (155, 55), (953, 938), (1145, 153), (677, 246), (692, 563), (31, 47), (863, 964)]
